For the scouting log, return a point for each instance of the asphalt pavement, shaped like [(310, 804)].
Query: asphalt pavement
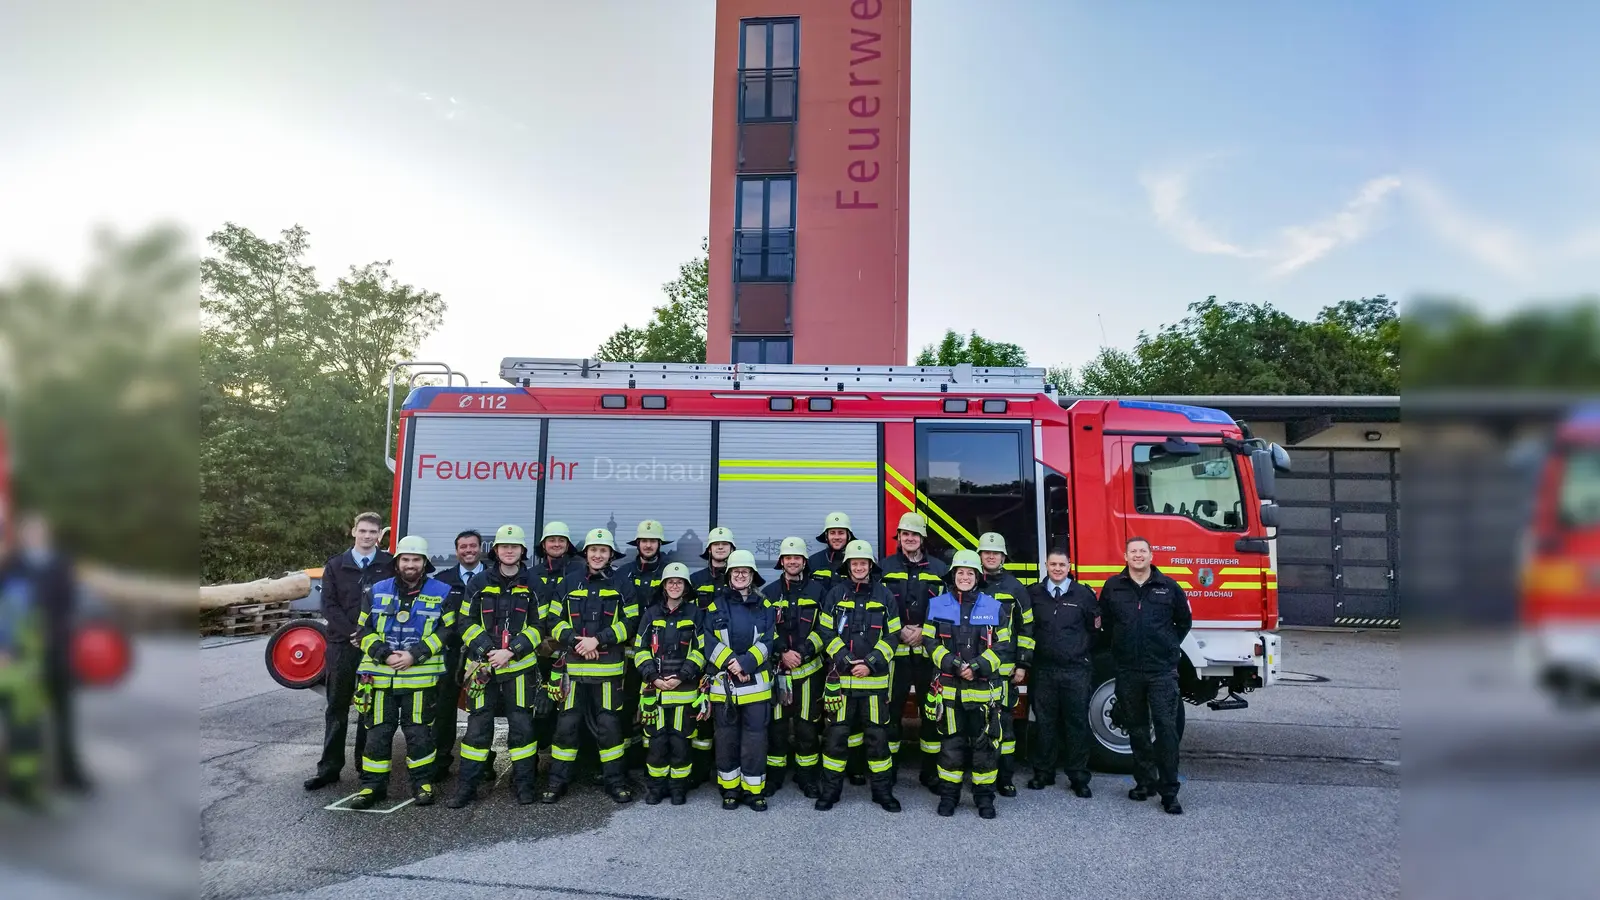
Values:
[(1295, 797)]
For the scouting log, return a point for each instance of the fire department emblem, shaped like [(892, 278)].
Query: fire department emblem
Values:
[(403, 616), (1207, 578)]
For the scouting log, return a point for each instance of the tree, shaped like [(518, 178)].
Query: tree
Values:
[(676, 331), (293, 380), (1351, 347), (1553, 347), (96, 384), (955, 350)]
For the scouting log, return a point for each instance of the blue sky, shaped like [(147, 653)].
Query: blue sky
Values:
[(1077, 168)]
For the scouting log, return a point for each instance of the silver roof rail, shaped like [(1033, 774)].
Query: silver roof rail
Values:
[(552, 372)]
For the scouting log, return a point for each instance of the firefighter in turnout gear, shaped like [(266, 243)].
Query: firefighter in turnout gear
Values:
[(796, 600), (402, 640), (914, 578), (557, 559), (969, 644), (1018, 607), (667, 654), (501, 615), (705, 584), (827, 564), (642, 576), (737, 639), (591, 624), (1066, 618), (714, 577), (22, 688), (860, 629)]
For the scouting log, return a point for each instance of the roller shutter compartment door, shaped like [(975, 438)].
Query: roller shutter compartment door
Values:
[(469, 472), (622, 471), (781, 479)]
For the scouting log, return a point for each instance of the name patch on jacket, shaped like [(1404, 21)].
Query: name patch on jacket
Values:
[(945, 608)]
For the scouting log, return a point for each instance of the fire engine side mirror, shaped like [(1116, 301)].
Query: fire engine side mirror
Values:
[(1266, 474), (1269, 516), (1280, 458)]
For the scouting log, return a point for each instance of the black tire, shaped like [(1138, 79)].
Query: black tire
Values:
[(295, 659), (1109, 750)]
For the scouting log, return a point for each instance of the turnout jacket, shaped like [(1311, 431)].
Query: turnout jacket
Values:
[(827, 566), (797, 614), (969, 627), (1145, 624), (707, 582), (458, 590), (739, 627), (410, 618), (502, 611), (668, 646), (913, 585), (597, 605), (861, 624), (546, 575), (1064, 629), (1018, 607)]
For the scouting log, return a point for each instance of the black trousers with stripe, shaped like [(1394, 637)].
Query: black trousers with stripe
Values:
[(411, 712), (593, 707), (866, 714), (797, 731), (912, 673), (513, 698)]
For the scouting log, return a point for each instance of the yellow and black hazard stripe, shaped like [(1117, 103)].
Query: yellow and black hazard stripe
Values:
[(943, 524)]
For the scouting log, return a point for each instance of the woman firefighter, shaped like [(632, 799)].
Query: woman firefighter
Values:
[(667, 654), (737, 637), (969, 646)]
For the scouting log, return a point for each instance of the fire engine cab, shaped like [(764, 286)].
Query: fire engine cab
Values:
[(769, 450)]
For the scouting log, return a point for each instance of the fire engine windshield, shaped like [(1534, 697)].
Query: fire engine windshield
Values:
[(1579, 496), (1203, 488)]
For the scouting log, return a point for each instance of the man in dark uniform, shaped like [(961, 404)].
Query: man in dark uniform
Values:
[(56, 589), (643, 576), (1146, 617), (469, 552), (346, 581), (827, 565), (1066, 615)]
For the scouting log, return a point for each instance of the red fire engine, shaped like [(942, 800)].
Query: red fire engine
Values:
[(769, 450), (1560, 603)]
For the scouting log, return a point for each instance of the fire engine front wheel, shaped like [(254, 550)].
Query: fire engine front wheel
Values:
[(297, 654), (1111, 750)]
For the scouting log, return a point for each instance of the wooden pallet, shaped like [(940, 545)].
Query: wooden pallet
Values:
[(252, 618)]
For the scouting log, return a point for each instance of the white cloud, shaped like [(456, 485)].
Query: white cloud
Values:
[(1293, 247), (1497, 245)]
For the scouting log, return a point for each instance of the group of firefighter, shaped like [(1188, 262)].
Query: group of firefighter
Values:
[(721, 672)]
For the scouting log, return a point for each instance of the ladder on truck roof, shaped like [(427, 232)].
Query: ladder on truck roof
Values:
[(551, 372)]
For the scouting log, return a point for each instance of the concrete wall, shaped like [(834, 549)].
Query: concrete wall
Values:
[(1342, 436)]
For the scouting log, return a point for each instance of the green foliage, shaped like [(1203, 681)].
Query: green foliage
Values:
[(1351, 347), (955, 350), (96, 382), (676, 331), (1550, 347), (293, 385)]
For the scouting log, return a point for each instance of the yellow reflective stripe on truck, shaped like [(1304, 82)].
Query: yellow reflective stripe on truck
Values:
[(794, 464), (933, 507)]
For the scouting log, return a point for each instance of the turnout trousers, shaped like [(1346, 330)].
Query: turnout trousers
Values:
[(446, 695), (797, 734), (1060, 739), (593, 708), (514, 698), (968, 748), (741, 746), (667, 760), (1008, 735), (411, 712), (1146, 702), (912, 674), (866, 714), (22, 722)]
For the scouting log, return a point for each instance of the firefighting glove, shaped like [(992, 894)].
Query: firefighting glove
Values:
[(833, 697), (362, 700)]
